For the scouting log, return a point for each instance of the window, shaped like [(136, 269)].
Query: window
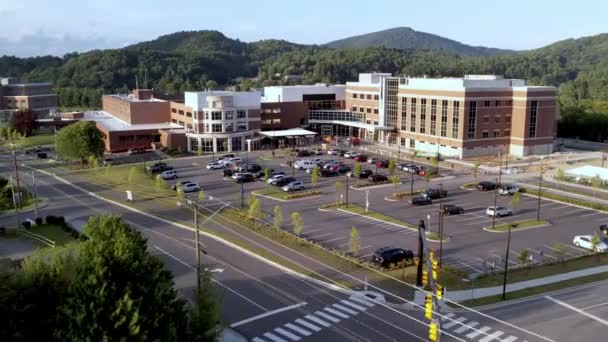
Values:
[(189, 114), (354, 95), (413, 115), (433, 117), (206, 115), (241, 114), (181, 123), (423, 116), (216, 115), (376, 123), (472, 119), (486, 103), (497, 104), (375, 110), (208, 145), (412, 143), (403, 113), (507, 132), (237, 144), (195, 115), (276, 121), (496, 133), (207, 128), (497, 119), (180, 112), (369, 122), (444, 118), (486, 119), (369, 96), (267, 121), (509, 102), (455, 119), (174, 121), (485, 134), (402, 142), (532, 122), (173, 110), (228, 115), (189, 126), (193, 144), (354, 108), (217, 128), (508, 118), (369, 110), (228, 127), (362, 110), (376, 97), (241, 126)]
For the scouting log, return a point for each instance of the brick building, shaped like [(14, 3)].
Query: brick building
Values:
[(37, 97)]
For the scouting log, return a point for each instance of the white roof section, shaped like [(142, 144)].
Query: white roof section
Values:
[(114, 124), (589, 171), (288, 132), (240, 99), (132, 98), (296, 93)]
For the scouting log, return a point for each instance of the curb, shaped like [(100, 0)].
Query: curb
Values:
[(352, 187), (388, 199), (489, 230), (211, 236), (287, 200)]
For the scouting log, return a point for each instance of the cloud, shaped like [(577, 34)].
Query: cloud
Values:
[(42, 45)]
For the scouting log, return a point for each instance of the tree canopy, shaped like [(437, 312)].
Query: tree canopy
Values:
[(80, 140)]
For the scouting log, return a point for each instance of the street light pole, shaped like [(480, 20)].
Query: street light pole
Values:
[(496, 192), (504, 282), (18, 197), (540, 187), (198, 252), (412, 179), (35, 194), (347, 191), (440, 224)]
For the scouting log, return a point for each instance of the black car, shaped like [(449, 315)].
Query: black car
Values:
[(344, 169), (159, 167), (245, 178), (303, 153), (377, 178), (486, 186), (180, 183), (434, 193), (419, 200), (329, 173), (451, 209), (387, 256), (41, 155), (604, 229), (251, 168), (284, 181)]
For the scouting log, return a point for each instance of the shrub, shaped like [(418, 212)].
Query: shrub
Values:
[(39, 221), (75, 234), (26, 224), (50, 219), (60, 220)]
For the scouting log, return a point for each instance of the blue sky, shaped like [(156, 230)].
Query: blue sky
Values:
[(522, 24)]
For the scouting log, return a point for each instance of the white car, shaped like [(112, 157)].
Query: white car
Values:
[(274, 179), (215, 165), (508, 190), (293, 186), (190, 187), (236, 175), (333, 151), (350, 154), (584, 241), (499, 211), (372, 160)]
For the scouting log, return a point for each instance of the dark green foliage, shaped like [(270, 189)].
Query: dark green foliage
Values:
[(26, 224), (79, 141), (3, 182), (38, 221)]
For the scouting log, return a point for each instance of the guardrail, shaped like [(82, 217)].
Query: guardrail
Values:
[(37, 237)]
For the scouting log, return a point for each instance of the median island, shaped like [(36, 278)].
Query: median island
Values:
[(279, 194), (517, 225)]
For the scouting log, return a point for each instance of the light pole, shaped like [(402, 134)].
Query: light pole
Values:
[(346, 191), (440, 223), (35, 194), (540, 187), (428, 216), (247, 166), (376, 161), (412, 179), (496, 192), (18, 196), (504, 282)]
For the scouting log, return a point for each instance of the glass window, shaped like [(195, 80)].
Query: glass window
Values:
[(455, 119), (241, 114), (180, 112), (532, 121), (444, 118), (423, 116), (237, 144), (413, 115), (216, 115), (222, 144), (402, 142), (206, 115), (354, 95), (412, 143), (484, 134), (228, 127), (173, 110), (208, 145), (189, 114), (194, 144), (472, 119), (241, 126), (217, 128), (228, 115), (375, 110), (486, 103), (376, 97), (433, 116)]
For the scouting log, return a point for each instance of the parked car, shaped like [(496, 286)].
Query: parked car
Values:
[(452, 209), (303, 153), (360, 158), (364, 174), (226, 156), (158, 168), (41, 155), (387, 256), (215, 165), (169, 174), (508, 190), (412, 169), (586, 241), (329, 173), (304, 164), (284, 181), (293, 186), (335, 167), (350, 154), (604, 229), (180, 183), (499, 211), (333, 152), (486, 186), (244, 178), (342, 169), (274, 179), (423, 171), (328, 164), (434, 193), (419, 200), (382, 163), (318, 152), (377, 178), (230, 161), (372, 160), (250, 168), (191, 187)]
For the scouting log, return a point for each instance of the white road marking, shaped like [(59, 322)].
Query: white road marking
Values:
[(466, 327), (266, 314), (595, 306), (578, 248), (307, 324), (566, 305), (297, 329), (509, 339), (213, 280), (257, 339), (320, 235), (457, 321), (367, 256), (335, 239), (574, 211), (493, 336), (274, 337), (557, 250), (317, 320), (336, 312), (345, 309), (476, 333), (284, 332), (469, 266), (352, 305), (327, 317), (448, 316), (362, 301), (591, 214)]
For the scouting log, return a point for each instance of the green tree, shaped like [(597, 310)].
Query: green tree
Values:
[(354, 242), (357, 170), (595, 242), (132, 175), (515, 201), (267, 174), (159, 183), (395, 180), (201, 195), (179, 190), (79, 141), (392, 166), (314, 175), (476, 169), (523, 256), (560, 175), (278, 216), (596, 182), (297, 223), (255, 210)]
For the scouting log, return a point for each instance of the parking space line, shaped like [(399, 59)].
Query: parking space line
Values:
[(566, 305), (318, 236), (557, 250), (574, 211), (469, 266), (577, 248), (591, 214), (335, 239)]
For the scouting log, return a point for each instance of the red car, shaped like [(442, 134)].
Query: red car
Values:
[(361, 158), (382, 163), (336, 167)]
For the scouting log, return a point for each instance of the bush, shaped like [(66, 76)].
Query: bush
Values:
[(60, 220), (50, 219), (39, 221), (26, 224), (75, 234)]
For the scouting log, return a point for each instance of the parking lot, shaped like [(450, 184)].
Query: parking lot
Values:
[(469, 248)]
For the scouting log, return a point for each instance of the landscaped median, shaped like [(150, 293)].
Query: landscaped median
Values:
[(469, 186), (359, 210), (400, 196), (565, 199), (279, 194), (364, 185), (517, 225)]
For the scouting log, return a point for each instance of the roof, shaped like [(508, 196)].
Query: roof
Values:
[(589, 171), (114, 124), (288, 132)]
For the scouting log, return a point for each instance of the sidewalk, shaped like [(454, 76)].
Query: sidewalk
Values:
[(462, 295)]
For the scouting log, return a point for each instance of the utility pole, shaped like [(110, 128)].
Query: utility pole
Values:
[(540, 187), (376, 161), (412, 179), (440, 223), (504, 282), (496, 192), (18, 196), (421, 232), (35, 194), (347, 191), (10, 177), (198, 251)]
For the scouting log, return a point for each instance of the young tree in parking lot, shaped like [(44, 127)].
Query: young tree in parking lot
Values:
[(314, 175), (523, 257), (159, 183), (395, 180), (225, 145), (354, 242), (392, 166), (428, 176), (132, 175), (339, 186), (267, 174), (560, 175), (357, 170), (201, 195), (180, 192), (476, 169), (199, 151), (596, 182), (515, 201), (595, 241), (255, 210), (298, 224), (278, 216)]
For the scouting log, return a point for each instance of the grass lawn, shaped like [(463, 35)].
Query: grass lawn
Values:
[(368, 184), (522, 224), (53, 232), (37, 140), (276, 192)]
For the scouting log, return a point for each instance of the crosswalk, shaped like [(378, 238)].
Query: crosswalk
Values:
[(312, 323), (473, 330), (379, 224)]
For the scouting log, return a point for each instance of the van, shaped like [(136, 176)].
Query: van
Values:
[(169, 174), (304, 164)]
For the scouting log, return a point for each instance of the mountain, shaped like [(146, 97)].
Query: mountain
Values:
[(405, 38)]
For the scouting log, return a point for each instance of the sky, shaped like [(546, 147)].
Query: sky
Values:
[(33, 27)]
